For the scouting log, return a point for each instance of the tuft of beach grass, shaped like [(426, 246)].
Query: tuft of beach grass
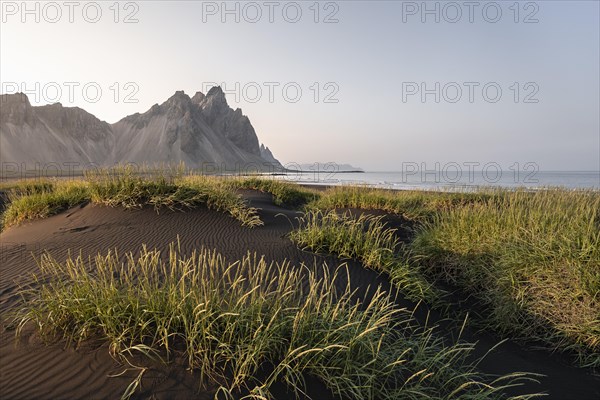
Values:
[(284, 193), (367, 239), (227, 319), (125, 187), (530, 258)]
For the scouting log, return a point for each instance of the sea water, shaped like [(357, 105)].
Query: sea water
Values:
[(449, 181)]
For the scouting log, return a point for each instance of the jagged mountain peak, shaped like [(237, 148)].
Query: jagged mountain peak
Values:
[(214, 102), (267, 155), (15, 109), (216, 91), (52, 134), (74, 121), (198, 130), (225, 121), (198, 98), (179, 99), (179, 95), (15, 98), (55, 106)]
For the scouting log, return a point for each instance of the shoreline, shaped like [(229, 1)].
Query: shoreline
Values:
[(376, 179)]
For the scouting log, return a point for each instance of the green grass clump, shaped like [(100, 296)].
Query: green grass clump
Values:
[(367, 239), (175, 191), (533, 259), (229, 319), (413, 205), (27, 186), (29, 202), (125, 187), (218, 195), (284, 193)]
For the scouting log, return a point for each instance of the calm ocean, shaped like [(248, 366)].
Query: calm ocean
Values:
[(452, 180)]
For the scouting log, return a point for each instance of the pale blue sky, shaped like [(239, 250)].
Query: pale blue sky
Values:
[(374, 51)]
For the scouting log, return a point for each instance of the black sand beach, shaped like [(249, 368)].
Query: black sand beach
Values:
[(29, 369)]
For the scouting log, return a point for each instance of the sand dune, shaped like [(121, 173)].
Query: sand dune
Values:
[(34, 370)]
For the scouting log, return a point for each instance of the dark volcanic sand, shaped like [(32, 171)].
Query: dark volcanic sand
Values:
[(33, 370)]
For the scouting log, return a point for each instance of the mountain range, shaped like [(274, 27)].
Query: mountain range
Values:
[(202, 131)]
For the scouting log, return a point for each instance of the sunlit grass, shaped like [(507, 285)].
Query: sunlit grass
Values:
[(284, 193), (532, 259), (367, 239), (171, 189), (411, 204), (229, 319), (30, 201), (28, 186), (128, 188)]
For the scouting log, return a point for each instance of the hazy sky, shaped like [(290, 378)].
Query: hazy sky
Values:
[(374, 84)]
